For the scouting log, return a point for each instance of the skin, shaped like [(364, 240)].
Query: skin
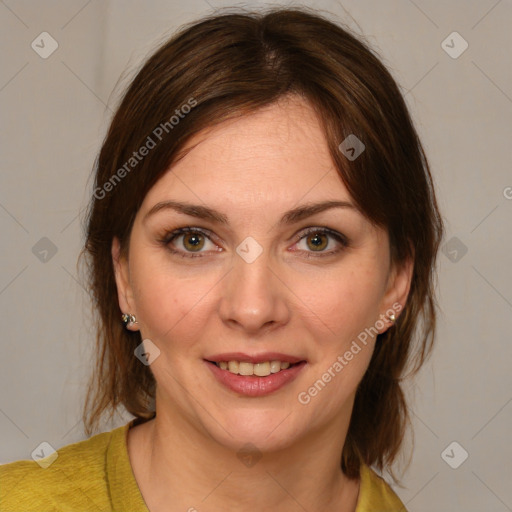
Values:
[(252, 170)]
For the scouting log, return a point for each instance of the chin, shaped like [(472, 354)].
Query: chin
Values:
[(265, 430)]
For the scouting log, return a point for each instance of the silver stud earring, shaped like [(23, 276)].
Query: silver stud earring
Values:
[(128, 319)]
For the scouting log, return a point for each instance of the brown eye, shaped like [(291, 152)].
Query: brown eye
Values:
[(317, 241), (193, 241), (189, 242), (314, 241)]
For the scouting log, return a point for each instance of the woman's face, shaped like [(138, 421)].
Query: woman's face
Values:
[(260, 279)]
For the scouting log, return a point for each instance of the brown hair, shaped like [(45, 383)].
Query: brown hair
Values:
[(226, 66)]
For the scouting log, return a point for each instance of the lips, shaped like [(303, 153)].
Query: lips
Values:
[(253, 385)]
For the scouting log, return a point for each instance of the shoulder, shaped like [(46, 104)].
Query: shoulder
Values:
[(73, 477), (376, 494)]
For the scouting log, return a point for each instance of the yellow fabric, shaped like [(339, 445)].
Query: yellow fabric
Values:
[(95, 475)]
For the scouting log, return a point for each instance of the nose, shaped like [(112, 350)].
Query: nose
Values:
[(254, 299)]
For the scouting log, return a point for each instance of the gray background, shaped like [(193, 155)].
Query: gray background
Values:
[(54, 115)]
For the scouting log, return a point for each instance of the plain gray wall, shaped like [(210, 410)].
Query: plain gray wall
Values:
[(55, 112)]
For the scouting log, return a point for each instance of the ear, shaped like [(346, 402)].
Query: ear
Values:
[(397, 291), (122, 276)]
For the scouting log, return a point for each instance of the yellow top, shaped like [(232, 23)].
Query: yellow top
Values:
[(96, 475)]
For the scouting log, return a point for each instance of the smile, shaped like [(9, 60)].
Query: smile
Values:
[(255, 379), (262, 369)]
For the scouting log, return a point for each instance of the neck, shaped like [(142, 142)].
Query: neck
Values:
[(177, 467)]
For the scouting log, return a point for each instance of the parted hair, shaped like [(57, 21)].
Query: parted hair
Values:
[(228, 65)]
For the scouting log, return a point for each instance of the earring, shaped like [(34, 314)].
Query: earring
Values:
[(128, 319), (392, 318)]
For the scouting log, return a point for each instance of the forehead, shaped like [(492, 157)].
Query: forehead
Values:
[(278, 153)]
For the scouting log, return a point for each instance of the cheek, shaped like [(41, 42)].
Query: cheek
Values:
[(170, 305), (344, 307), (341, 305)]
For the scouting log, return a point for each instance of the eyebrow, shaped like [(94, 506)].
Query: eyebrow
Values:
[(207, 213)]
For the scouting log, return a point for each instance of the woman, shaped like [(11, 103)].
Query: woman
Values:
[(261, 242)]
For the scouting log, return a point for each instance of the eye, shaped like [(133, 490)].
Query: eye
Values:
[(187, 241), (316, 240)]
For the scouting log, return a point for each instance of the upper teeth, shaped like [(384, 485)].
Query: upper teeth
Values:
[(259, 369)]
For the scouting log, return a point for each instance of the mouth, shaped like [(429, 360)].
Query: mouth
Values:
[(257, 375)]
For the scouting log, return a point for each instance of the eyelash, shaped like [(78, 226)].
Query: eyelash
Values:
[(341, 239)]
